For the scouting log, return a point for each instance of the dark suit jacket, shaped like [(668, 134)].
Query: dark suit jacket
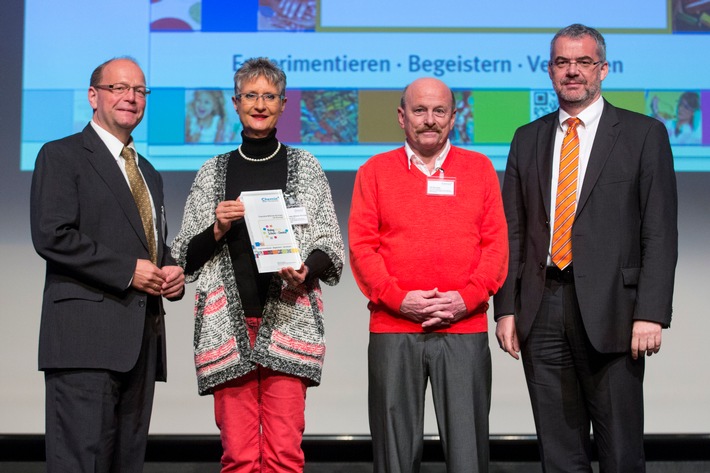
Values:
[(86, 225), (624, 237)]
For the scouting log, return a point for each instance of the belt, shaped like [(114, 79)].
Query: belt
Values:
[(554, 273)]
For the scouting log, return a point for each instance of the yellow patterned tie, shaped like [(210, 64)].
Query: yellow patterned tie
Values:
[(140, 195), (566, 200)]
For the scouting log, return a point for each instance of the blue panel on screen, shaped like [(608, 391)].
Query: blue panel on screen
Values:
[(140, 134), (47, 114), (335, 53), (166, 116), (229, 15)]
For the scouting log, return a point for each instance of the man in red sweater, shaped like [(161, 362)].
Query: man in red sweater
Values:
[(428, 248)]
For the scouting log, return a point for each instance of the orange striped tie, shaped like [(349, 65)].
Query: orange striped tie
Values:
[(565, 203)]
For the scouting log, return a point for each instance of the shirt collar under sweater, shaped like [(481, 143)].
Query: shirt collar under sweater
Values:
[(412, 158)]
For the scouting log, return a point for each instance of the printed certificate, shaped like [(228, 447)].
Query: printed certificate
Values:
[(270, 230)]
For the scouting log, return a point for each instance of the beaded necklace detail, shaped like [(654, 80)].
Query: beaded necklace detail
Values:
[(259, 160)]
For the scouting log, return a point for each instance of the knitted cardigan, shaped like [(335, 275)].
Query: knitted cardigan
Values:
[(291, 336)]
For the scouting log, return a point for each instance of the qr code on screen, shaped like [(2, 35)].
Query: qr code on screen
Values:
[(542, 102)]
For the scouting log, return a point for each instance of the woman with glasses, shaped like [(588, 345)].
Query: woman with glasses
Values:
[(258, 336)]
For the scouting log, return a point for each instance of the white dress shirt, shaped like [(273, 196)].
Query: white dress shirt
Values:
[(586, 131)]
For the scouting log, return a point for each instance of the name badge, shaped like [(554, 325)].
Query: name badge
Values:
[(441, 186), (297, 215)]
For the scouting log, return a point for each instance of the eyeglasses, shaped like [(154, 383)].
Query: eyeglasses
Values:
[(584, 64), (122, 89), (251, 97)]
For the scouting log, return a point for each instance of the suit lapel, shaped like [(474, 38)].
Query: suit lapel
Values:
[(544, 152), (607, 133), (105, 166)]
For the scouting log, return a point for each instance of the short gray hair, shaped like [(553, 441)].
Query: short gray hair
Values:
[(578, 31), (257, 67)]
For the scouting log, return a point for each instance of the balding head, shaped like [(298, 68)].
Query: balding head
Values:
[(426, 82), (426, 114)]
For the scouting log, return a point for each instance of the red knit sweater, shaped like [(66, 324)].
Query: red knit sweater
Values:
[(402, 239)]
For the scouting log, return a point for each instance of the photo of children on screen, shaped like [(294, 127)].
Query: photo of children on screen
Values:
[(206, 117), (681, 114)]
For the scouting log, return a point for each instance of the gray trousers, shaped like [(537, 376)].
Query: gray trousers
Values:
[(97, 420), (459, 369)]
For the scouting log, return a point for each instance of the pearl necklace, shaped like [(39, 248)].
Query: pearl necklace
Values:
[(260, 160)]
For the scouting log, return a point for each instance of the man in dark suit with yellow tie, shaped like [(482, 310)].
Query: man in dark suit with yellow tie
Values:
[(590, 198), (97, 219)]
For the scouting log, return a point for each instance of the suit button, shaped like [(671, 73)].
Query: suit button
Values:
[(541, 265), (141, 303)]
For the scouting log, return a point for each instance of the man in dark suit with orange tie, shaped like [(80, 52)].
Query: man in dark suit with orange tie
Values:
[(590, 198), (97, 219)]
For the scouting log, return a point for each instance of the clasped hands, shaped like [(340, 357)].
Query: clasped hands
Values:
[(167, 281), (433, 309)]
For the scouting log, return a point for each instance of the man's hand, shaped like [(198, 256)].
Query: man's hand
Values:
[(227, 212), (645, 338), (174, 282), (507, 336), (457, 308), (148, 278), (294, 277), (427, 308)]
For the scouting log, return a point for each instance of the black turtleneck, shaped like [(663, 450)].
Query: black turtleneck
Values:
[(245, 175)]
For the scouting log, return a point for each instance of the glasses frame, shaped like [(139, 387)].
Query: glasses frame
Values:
[(581, 63), (121, 88), (255, 97)]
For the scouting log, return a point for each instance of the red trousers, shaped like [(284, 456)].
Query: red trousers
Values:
[(261, 418)]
